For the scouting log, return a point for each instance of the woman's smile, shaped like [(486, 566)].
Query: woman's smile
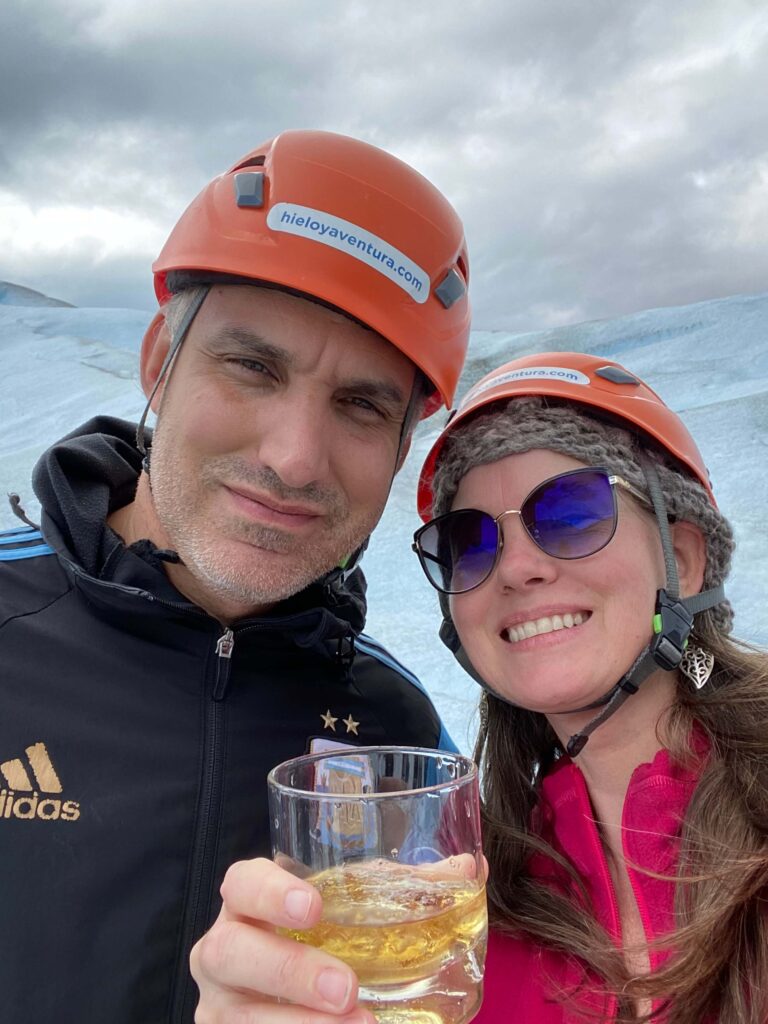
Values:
[(529, 628)]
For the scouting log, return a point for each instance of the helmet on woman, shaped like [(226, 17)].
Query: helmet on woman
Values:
[(588, 380), (342, 222), (591, 409)]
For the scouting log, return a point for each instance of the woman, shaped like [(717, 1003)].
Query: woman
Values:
[(623, 734), (557, 623)]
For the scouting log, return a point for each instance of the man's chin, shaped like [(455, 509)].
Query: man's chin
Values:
[(265, 584)]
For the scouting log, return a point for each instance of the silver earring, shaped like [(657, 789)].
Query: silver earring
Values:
[(697, 665)]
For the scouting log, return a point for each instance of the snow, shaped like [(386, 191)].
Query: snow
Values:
[(709, 361)]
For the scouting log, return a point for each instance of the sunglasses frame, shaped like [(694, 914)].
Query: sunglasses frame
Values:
[(612, 479)]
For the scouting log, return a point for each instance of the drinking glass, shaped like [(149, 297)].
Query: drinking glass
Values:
[(391, 838)]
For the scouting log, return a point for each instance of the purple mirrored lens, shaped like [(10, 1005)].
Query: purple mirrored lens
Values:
[(569, 516), (573, 515), (459, 549)]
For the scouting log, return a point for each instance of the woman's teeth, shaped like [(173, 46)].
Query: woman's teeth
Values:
[(536, 627)]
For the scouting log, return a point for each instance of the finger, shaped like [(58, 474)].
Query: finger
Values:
[(236, 955), (261, 891), (226, 1006), (229, 1008)]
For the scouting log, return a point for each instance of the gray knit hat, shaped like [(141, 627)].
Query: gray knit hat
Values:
[(522, 424)]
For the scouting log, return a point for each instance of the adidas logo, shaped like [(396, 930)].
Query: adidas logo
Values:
[(23, 799)]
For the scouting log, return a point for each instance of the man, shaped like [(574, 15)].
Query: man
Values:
[(192, 614)]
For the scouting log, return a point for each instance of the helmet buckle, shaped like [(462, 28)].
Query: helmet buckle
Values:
[(672, 625)]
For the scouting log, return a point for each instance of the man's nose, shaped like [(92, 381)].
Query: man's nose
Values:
[(295, 442)]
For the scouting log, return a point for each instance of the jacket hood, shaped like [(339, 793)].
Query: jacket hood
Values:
[(92, 472), (79, 481)]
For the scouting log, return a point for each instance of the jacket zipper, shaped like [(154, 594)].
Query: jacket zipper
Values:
[(225, 646), (601, 861), (203, 860), (653, 956), (183, 995)]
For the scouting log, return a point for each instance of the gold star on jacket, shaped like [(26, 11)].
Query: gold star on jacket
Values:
[(329, 722)]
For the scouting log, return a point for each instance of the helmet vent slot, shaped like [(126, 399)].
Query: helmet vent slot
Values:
[(255, 161), (461, 263)]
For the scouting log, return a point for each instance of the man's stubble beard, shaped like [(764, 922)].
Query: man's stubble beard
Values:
[(238, 570)]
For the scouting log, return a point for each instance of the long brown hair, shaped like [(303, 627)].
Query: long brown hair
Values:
[(718, 968)]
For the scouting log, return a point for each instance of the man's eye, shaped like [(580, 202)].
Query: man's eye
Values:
[(254, 366), (365, 406)]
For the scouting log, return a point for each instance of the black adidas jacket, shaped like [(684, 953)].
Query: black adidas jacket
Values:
[(134, 744)]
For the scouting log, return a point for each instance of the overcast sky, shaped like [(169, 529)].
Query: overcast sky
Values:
[(606, 155)]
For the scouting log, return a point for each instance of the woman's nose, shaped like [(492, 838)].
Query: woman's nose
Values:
[(522, 563)]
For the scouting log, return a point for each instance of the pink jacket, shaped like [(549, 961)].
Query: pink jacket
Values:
[(521, 977)]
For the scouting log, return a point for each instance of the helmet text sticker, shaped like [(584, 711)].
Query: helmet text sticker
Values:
[(354, 240), (559, 373)]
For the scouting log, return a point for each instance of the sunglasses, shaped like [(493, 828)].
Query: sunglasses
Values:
[(571, 515)]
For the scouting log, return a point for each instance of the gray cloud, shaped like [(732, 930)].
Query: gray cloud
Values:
[(605, 157)]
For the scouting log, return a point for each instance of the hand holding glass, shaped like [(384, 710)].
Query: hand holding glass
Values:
[(391, 838)]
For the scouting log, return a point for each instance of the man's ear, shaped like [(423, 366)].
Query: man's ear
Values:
[(690, 549), (154, 349)]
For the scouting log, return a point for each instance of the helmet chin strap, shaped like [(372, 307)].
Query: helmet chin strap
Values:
[(178, 338), (672, 625)]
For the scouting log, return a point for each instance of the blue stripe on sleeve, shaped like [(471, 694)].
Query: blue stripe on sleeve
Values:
[(17, 536), (370, 646), (13, 554)]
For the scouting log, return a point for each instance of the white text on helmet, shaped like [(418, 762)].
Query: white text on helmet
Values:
[(356, 241), (560, 373)]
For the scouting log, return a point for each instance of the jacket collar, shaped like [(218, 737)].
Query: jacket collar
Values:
[(656, 801)]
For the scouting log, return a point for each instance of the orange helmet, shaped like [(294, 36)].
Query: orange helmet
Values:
[(587, 380), (346, 223)]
